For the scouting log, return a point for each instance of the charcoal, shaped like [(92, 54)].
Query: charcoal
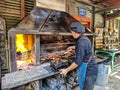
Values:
[(59, 65)]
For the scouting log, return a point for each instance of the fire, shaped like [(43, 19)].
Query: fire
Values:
[(20, 43), (24, 49)]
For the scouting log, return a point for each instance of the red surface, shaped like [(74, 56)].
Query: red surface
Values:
[(109, 3), (113, 3), (84, 19)]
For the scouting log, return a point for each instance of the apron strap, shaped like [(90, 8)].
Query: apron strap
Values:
[(90, 58)]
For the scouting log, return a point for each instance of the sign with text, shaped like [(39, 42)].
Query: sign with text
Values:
[(82, 11)]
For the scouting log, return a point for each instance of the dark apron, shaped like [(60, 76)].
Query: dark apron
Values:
[(81, 70)]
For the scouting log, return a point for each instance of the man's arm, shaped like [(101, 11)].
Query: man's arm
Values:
[(70, 68)]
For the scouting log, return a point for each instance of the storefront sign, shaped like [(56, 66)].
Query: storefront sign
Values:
[(82, 11)]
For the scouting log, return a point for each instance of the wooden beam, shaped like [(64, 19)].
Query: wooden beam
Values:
[(59, 5), (103, 1), (37, 49), (12, 54), (113, 15), (107, 9), (13, 31), (8, 10), (105, 5), (93, 19), (22, 9), (104, 19), (89, 4)]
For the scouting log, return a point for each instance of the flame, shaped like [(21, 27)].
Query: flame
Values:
[(24, 43), (20, 43)]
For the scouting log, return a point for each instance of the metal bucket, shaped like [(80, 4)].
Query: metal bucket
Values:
[(103, 74)]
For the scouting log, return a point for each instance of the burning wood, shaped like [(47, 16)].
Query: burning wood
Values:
[(24, 46)]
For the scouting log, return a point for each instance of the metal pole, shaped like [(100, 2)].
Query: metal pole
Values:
[(104, 20), (93, 18)]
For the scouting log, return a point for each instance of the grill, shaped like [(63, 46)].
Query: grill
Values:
[(42, 33)]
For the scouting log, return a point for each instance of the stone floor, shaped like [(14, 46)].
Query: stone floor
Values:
[(113, 81)]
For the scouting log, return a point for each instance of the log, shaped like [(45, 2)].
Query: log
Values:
[(22, 77), (59, 5)]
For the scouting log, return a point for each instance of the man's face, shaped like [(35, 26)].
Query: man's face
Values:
[(75, 34)]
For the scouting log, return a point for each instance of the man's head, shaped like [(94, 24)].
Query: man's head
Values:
[(77, 29)]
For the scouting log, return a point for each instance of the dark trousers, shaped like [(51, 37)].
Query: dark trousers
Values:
[(89, 82)]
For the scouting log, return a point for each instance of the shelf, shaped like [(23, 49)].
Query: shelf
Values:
[(106, 36), (99, 38), (14, 31), (110, 44), (2, 47), (102, 38), (1, 32), (58, 43), (105, 44), (99, 42)]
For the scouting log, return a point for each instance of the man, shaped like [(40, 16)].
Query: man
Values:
[(83, 50)]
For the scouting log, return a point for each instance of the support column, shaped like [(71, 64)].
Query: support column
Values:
[(22, 9), (93, 18), (93, 25), (12, 52), (119, 30), (38, 83), (104, 20)]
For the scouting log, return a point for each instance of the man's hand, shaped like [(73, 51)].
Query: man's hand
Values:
[(70, 68), (63, 72), (71, 48)]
